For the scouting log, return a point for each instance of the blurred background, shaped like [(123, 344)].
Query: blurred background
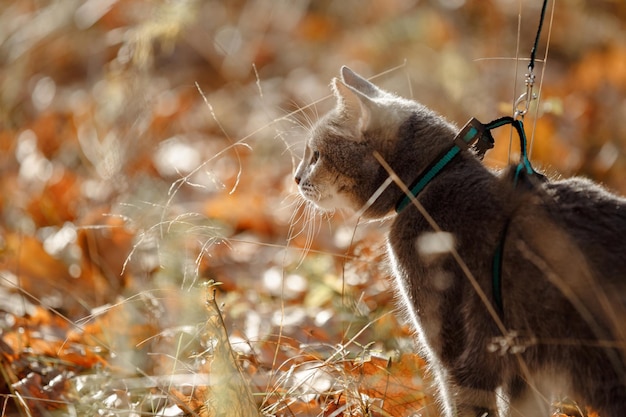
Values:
[(148, 146)]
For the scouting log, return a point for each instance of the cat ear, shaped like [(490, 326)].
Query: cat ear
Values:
[(353, 105), (359, 83)]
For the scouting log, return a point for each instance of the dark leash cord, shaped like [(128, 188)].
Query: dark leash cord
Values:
[(533, 52)]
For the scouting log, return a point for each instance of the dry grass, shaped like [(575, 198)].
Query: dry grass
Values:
[(148, 153)]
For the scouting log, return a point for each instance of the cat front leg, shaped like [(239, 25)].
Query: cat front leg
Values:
[(473, 402), (442, 389), (475, 385), (463, 401)]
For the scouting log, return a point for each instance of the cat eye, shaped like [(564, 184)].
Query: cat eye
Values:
[(316, 156)]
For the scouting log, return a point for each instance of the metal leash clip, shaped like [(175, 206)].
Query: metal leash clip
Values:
[(522, 104)]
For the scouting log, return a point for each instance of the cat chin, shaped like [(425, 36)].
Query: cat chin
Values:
[(333, 202)]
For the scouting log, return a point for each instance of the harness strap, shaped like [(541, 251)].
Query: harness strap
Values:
[(477, 136), (523, 166)]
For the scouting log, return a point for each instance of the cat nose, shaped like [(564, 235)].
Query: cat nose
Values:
[(297, 179)]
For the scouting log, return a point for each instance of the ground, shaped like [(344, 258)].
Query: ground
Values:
[(154, 256)]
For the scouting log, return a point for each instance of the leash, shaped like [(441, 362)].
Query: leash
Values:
[(476, 136)]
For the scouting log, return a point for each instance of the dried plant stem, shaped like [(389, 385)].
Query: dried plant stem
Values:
[(230, 394)]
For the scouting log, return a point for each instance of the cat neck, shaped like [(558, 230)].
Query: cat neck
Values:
[(419, 148), (465, 139)]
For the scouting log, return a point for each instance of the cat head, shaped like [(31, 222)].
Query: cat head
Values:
[(339, 170)]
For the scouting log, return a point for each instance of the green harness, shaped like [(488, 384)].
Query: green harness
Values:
[(477, 136)]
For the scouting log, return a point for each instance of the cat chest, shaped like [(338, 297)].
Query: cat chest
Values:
[(420, 288)]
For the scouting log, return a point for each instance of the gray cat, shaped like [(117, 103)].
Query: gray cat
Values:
[(514, 285)]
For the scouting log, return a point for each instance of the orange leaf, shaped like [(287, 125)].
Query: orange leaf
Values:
[(398, 384), (57, 202)]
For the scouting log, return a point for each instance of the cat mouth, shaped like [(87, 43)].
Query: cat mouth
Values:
[(310, 193)]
